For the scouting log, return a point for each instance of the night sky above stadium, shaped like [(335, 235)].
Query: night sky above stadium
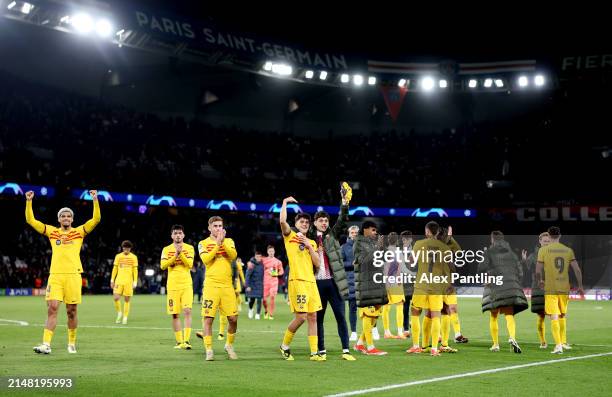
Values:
[(455, 34)]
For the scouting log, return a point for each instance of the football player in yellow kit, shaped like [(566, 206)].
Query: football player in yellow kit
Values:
[(555, 259), (178, 259), (428, 295), (217, 253), (64, 284), (124, 279), (304, 296)]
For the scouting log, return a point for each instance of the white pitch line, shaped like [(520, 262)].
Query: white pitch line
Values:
[(464, 375), (16, 322)]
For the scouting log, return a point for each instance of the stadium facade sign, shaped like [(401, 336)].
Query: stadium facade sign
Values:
[(527, 214), (586, 62), (256, 48)]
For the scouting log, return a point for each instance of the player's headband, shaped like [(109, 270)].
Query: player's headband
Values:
[(65, 209)]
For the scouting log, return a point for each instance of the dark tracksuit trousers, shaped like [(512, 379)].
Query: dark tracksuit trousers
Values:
[(407, 299), (329, 294)]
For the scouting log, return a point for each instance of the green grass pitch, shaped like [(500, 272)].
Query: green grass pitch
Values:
[(139, 359)]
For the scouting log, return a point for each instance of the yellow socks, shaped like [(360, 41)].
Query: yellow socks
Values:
[(415, 324), (435, 332), (208, 342), (556, 331), (511, 325), (222, 324), (287, 338), (454, 318), (47, 336), (179, 336), (72, 336), (187, 333), (313, 341), (385, 315), (367, 330), (426, 331), (541, 327), (563, 330), (117, 306), (399, 315), (445, 328), (494, 328), (126, 309), (230, 339)]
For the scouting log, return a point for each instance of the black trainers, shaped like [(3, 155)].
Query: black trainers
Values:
[(515, 346)]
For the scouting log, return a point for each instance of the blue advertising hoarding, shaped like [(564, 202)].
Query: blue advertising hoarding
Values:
[(230, 205), (18, 189)]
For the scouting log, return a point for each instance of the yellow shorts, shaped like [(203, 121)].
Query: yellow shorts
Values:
[(449, 299), (431, 302), (304, 297), (219, 298), (393, 299), (65, 288), (123, 289), (555, 304), (179, 299), (370, 311)]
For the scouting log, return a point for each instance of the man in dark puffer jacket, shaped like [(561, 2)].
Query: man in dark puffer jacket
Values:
[(537, 293), (370, 296), (508, 298)]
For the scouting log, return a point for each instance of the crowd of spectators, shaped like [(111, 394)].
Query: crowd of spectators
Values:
[(50, 137)]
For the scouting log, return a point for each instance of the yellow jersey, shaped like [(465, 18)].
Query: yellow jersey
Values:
[(218, 261), (453, 246), (300, 262), (179, 267), (556, 258), (65, 244), (125, 268), (431, 267)]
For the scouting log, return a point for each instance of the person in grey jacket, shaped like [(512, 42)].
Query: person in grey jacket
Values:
[(348, 258), (253, 283), (537, 293), (507, 298)]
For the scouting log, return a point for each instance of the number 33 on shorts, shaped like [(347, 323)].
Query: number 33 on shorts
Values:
[(304, 296)]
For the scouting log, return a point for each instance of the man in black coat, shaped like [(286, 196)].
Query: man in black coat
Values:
[(507, 298), (371, 296)]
